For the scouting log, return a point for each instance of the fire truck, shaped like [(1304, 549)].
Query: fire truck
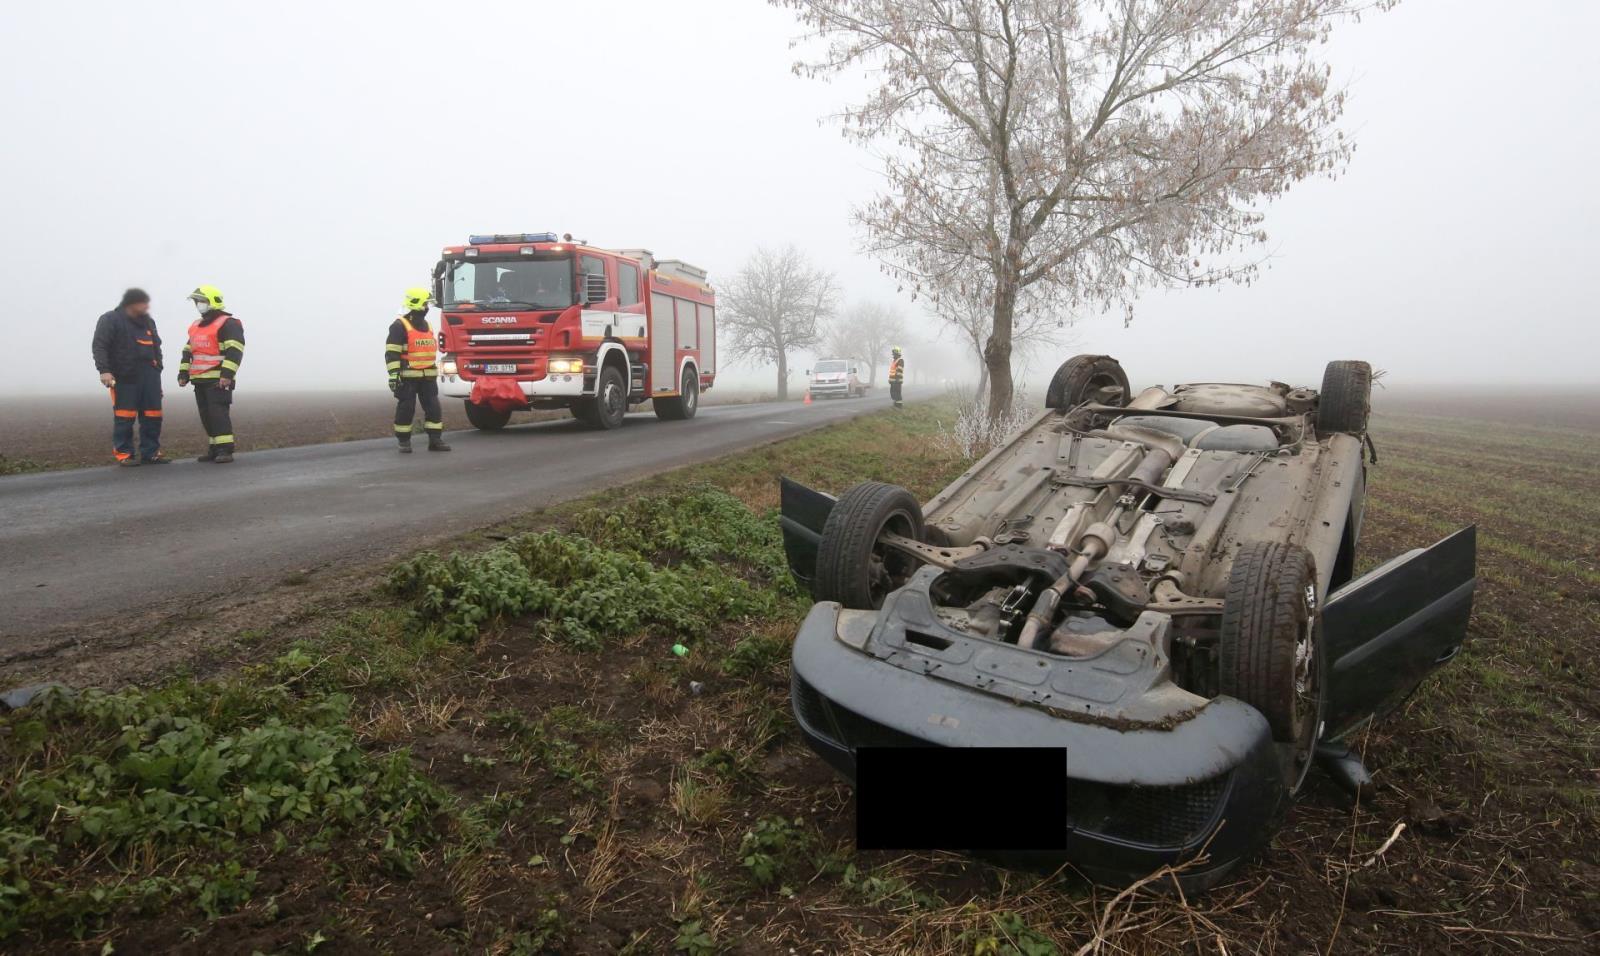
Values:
[(535, 321)]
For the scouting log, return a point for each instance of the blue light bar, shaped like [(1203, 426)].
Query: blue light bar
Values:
[(513, 237)]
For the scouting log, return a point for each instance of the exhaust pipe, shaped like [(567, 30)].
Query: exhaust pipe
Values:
[(1096, 542)]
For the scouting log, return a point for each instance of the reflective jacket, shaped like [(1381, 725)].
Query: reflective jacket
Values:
[(412, 349), (897, 370), (215, 347)]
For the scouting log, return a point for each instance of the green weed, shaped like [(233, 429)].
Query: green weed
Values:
[(1008, 935), (886, 890), (695, 939), (188, 767), (586, 590), (18, 466), (775, 848), (757, 654)]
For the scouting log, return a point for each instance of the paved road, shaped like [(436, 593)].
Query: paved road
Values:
[(87, 545)]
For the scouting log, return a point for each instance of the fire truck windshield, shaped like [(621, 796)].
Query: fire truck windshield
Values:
[(512, 283)]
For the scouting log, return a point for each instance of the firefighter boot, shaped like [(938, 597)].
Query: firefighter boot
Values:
[(209, 456), (405, 444), (436, 441)]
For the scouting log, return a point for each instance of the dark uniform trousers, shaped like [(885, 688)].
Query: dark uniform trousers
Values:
[(407, 394), (216, 414), (137, 398)]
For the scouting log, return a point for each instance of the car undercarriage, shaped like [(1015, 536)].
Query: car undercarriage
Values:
[(1152, 578)]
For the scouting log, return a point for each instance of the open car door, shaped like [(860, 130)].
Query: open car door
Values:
[(1388, 629), (802, 515)]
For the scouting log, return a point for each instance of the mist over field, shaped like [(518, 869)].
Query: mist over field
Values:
[(311, 159)]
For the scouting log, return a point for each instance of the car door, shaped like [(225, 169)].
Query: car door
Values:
[(1388, 629), (802, 515)]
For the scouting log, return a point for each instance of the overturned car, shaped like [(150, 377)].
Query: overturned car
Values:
[(1162, 583)]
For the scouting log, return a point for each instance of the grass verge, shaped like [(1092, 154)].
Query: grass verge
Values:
[(498, 750)]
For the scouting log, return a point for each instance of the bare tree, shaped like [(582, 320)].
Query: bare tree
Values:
[(774, 305), (1081, 150), (866, 331), (969, 310), (838, 341)]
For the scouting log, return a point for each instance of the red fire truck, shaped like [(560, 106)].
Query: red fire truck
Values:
[(535, 321)]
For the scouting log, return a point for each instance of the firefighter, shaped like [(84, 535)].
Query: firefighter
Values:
[(211, 362), (897, 375), (411, 354), (127, 354)]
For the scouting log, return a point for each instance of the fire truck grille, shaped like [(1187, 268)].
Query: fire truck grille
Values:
[(503, 338)]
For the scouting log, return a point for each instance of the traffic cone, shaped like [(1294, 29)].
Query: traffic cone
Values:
[(808, 397)]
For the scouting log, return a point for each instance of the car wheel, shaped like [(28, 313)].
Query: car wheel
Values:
[(1345, 401), (1085, 378), (1270, 651), (852, 568), (486, 419), (683, 406), (610, 403)]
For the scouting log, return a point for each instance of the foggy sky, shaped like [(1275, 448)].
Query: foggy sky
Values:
[(311, 160)]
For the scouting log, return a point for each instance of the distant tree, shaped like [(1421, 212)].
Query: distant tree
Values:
[(773, 305), (865, 332), (838, 342), (1080, 150), (969, 310)]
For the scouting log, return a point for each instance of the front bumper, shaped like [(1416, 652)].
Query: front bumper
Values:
[(824, 389), (551, 386), (1138, 799)]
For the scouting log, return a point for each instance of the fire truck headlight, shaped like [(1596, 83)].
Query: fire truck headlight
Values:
[(447, 365), (566, 365)]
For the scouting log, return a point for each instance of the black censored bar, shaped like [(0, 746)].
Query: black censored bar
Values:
[(961, 798)]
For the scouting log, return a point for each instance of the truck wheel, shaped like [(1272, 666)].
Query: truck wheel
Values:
[(610, 403), (1346, 398), (685, 404), (1270, 651), (851, 567), (486, 419), (1084, 378)]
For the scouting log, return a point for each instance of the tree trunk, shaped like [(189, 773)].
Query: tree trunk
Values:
[(783, 376), (997, 353), (983, 378)]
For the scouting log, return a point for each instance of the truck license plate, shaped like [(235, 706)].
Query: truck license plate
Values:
[(500, 369)]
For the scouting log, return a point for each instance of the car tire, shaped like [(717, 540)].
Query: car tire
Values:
[(1345, 402), (610, 403), (1080, 379), (486, 419), (851, 568), (1270, 652), (682, 406)]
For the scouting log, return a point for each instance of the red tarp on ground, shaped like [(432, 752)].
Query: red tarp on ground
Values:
[(500, 394)]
